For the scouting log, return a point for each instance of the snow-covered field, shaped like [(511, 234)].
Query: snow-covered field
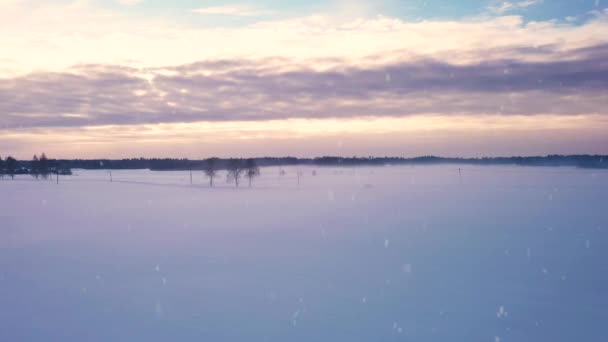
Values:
[(355, 254)]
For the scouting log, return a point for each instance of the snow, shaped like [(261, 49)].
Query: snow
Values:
[(511, 254)]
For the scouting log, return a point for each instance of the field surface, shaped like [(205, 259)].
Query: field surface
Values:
[(420, 253)]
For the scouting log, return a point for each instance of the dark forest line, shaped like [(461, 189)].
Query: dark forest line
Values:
[(44, 166), (582, 161)]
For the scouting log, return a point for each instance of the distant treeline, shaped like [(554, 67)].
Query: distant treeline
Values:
[(584, 161), (38, 167), (43, 164)]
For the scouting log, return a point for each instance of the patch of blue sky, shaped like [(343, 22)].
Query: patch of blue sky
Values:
[(182, 11)]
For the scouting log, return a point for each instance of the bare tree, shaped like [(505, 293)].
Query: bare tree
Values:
[(44, 166), (35, 169), (210, 169), (235, 169), (11, 166), (251, 170)]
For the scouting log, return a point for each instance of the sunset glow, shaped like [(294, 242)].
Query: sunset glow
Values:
[(85, 77)]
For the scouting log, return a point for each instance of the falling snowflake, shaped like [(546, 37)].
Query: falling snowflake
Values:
[(158, 309), (501, 312)]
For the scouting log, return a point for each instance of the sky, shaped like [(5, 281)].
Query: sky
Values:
[(196, 78)]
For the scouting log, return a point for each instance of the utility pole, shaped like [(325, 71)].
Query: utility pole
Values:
[(111, 176), (190, 176), (460, 176)]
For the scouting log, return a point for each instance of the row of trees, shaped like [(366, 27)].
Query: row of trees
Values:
[(43, 167), (38, 167), (8, 167), (173, 164), (236, 168)]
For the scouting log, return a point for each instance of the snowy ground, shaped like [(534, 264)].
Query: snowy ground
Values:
[(354, 254)]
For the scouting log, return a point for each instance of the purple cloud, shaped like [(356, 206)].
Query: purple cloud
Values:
[(571, 82)]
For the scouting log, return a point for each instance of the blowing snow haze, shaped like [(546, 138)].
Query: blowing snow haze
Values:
[(303, 171)]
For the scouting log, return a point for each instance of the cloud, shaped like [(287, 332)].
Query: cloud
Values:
[(76, 75), (508, 6), (54, 38), (572, 82), (453, 135), (129, 2), (70, 67), (231, 10)]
